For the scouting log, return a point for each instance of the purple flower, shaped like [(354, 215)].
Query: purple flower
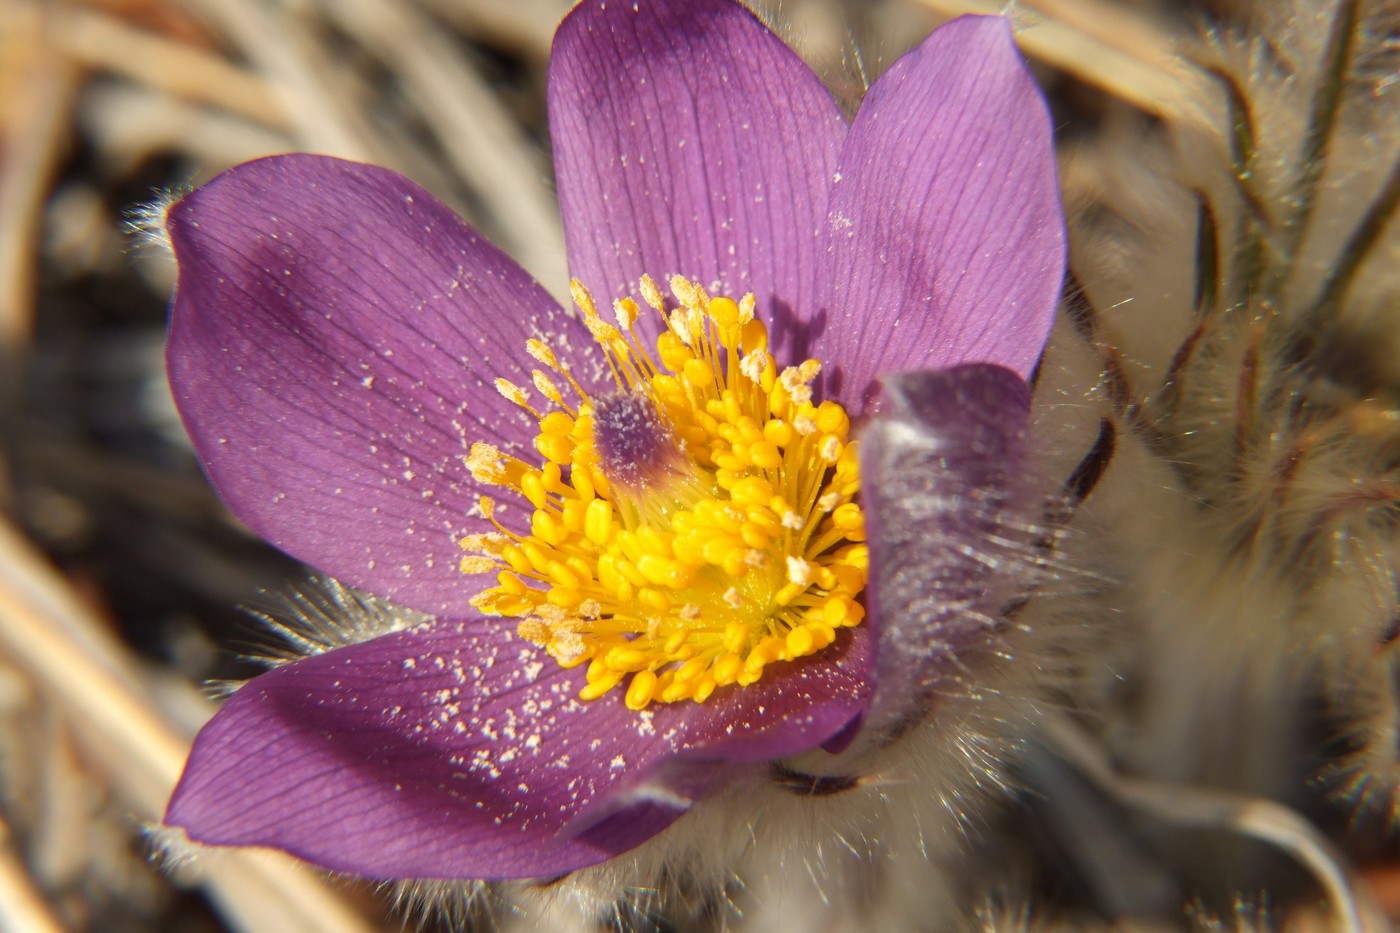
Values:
[(339, 348)]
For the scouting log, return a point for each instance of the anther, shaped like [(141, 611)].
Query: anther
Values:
[(583, 298), (486, 464), (626, 312), (541, 352), (514, 394), (546, 387), (651, 294)]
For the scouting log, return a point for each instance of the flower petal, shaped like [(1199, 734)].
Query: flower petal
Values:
[(946, 503), (947, 237), (333, 342), (689, 139), (455, 750)]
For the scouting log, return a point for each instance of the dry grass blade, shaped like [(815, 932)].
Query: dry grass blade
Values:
[(103, 42), (129, 123), (1352, 907), (22, 907), (289, 59), (523, 26), (485, 145), (50, 635), (36, 90), (1103, 44)]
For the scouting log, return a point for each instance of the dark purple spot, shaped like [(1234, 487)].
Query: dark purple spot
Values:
[(635, 445)]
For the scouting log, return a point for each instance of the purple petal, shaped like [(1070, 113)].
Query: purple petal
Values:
[(457, 751), (947, 237), (689, 139), (333, 343), (949, 519)]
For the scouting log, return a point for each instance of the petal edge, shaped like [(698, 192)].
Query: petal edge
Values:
[(333, 336), (689, 139), (946, 232)]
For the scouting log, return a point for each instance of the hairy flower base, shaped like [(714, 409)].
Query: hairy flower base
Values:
[(693, 528)]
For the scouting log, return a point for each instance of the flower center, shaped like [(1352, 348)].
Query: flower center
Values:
[(692, 527)]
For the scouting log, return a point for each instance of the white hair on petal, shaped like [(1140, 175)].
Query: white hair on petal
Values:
[(146, 223), (320, 615), (173, 848), (454, 905)]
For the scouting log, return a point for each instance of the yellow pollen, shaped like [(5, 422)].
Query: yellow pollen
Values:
[(541, 352), (690, 527), (652, 295), (513, 393), (477, 564), (626, 312), (486, 465)]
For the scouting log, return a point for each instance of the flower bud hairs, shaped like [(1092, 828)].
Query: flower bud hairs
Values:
[(1229, 275), (786, 580)]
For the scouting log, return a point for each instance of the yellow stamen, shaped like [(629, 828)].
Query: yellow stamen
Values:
[(689, 531)]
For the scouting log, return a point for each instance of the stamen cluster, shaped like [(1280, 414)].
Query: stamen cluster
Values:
[(732, 542)]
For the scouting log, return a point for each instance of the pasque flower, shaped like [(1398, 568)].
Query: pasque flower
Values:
[(638, 532)]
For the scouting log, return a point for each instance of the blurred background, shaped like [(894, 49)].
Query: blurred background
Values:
[(124, 585)]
